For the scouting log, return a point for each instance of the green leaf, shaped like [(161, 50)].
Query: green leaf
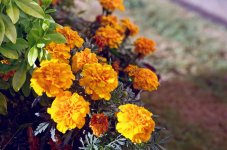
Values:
[(31, 8), (2, 30), (13, 12), (10, 29), (46, 3), (3, 104), (26, 89), (4, 68), (32, 55), (9, 53), (55, 37), (20, 44), (19, 77)]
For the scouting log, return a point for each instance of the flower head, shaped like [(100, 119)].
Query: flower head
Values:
[(131, 70), (143, 78), (59, 51), (144, 46), (52, 77), (72, 37), (108, 20), (129, 27), (111, 5), (135, 123), (82, 58), (99, 80), (69, 111), (99, 124), (111, 35)]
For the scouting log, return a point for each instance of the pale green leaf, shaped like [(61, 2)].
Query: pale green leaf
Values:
[(10, 29), (19, 77), (32, 55), (55, 37), (3, 104), (31, 8), (2, 30), (13, 12), (9, 53)]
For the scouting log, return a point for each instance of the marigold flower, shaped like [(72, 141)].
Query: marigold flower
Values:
[(145, 79), (111, 5), (108, 20), (144, 46), (131, 70), (99, 80), (60, 52), (69, 111), (130, 27), (82, 58), (99, 124), (52, 77), (111, 35), (73, 38), (135, 123)]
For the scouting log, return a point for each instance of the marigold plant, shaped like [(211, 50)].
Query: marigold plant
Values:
[(76, 86)]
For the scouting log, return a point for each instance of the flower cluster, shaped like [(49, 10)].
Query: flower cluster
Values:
[(84, 78)]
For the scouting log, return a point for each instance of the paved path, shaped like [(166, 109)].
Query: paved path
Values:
[(214, 9)]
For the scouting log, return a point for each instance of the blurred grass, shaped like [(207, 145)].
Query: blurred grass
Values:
[(187, 44)]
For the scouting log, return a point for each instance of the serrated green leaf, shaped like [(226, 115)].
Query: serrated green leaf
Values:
[(9, 53), (2, 30), (32, 55), (19, 77), (3, 104), (55, 37), (31, 8), (13, 12), (10, 29)]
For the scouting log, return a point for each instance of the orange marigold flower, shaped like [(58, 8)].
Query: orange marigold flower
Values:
[(69, 111), (130, 27), (99, 124), (60, 52), (111, 5), (108, 20), (144, 46), (99, 80), (82, 58), (52, 77), (131, 70), (111, 35), (72, 37), (135, 123), (145, 79)]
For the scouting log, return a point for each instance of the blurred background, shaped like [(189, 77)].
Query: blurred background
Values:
[(192, 59)]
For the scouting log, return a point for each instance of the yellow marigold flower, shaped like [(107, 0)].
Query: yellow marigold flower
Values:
[(145, 79), (129, 27), (111, 5), (72, 37), (52, 77), (99, 124), (99, 80), (131, 70), (108, 20), (82, 58), (135, 123), (144, 46), (60, 52), (111, 35), (69, 111)]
